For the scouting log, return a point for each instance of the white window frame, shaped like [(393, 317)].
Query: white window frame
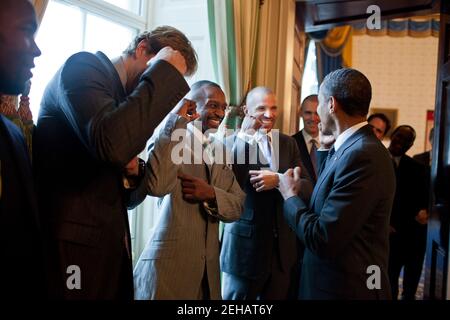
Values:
[(113, 13)]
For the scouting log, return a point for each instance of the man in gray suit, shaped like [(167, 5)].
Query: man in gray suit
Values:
[(259, 252), (96, 115), (345, 228), (181, 258)]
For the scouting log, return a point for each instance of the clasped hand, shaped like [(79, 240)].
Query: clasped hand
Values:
[(263, 180)]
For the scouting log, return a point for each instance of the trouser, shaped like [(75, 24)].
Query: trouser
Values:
[(275, 285), (406, 250)]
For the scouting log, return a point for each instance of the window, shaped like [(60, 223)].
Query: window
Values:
[(129, 5), (70, 26), (310, 84)]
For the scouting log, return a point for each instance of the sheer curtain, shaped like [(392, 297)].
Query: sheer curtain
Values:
[(233, 29)]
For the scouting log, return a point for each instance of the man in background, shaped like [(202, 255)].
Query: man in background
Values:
[(380, 124), (96, 115), (22, 266), (409, 216), (308, 138)]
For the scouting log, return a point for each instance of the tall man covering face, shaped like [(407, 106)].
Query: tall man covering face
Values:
[(22, 267), (96, 115)]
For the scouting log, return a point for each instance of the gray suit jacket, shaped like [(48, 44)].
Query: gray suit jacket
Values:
[(185, 242), (88, 130), (346, 228)]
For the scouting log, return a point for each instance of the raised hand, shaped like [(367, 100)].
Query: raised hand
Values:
[(187, 109), (174, 57), (250, 124), (326, 140)]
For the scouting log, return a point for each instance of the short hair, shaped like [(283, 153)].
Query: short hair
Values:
[(383, 118), (196, 93), (166, 36), (350, 88), (256, 91), (407, 127), (311, 97)]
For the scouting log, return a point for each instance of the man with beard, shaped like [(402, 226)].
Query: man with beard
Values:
[(259, 251), (197, 190)]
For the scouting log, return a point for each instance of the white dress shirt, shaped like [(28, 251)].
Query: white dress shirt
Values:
[(347, 134)]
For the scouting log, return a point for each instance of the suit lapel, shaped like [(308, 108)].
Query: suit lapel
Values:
[(330, 167), (304, 154)]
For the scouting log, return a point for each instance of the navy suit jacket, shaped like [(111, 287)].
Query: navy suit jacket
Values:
[(88, 130), (346, 227), (248, 243)]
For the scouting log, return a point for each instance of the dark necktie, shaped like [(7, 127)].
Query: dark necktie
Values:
[(330, 155)]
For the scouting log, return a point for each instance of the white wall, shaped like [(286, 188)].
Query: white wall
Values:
[(402, 72)]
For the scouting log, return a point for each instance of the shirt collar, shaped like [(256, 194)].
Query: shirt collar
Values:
[(119, 65), (260, 135), (347, 134), (256, 137)]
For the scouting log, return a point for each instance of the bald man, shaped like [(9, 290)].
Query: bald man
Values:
[(21, 270), (259, 257)]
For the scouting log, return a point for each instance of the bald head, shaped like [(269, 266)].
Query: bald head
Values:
[(257, 93), (17, 28), (210, 101), (261, 104)]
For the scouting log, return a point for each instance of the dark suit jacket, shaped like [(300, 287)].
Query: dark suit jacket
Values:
[(346, 228), (88, 130), (423, 158), (411, 195), (248, 243), (22, 266), (304, 155)]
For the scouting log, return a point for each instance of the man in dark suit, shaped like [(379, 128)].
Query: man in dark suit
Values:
[(409, 216), (345, 228), (308, 138), (259, 254), (22, 266), (96, 115)]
